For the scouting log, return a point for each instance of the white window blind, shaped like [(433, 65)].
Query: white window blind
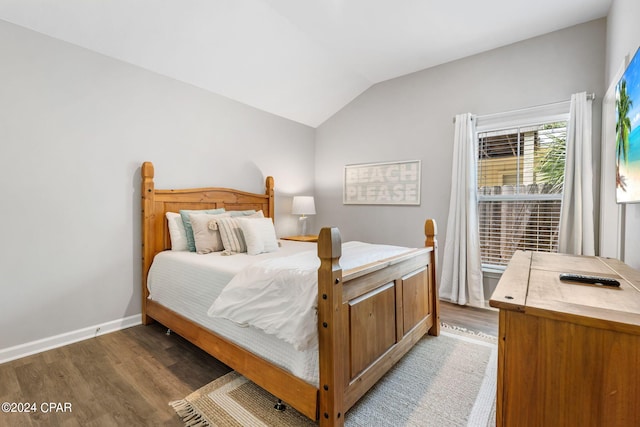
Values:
[(520, 173)]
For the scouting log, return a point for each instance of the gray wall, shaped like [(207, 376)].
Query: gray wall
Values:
[(623, 38), (411, 118), (75, 127)]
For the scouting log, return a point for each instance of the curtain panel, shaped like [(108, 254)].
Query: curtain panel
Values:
[(461, 279), (577, 233)]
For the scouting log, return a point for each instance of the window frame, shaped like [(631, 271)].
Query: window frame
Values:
[(517, 119)]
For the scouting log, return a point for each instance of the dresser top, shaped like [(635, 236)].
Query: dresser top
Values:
[(531, 284)]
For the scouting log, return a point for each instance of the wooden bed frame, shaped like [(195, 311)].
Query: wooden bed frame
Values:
[(368, 317)]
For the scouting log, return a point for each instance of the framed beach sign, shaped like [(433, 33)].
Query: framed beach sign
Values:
[(628, 133), (387, 183)]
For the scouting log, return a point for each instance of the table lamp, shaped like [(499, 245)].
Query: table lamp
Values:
[(303, 206)]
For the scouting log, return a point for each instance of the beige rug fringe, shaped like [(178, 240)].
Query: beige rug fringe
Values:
[(189, 415), (467, 331)]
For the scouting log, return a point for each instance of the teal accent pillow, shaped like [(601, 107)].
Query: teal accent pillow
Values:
[(191, 241)]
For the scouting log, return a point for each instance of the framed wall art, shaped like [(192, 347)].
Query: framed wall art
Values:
[(628, 133), (387, 183)]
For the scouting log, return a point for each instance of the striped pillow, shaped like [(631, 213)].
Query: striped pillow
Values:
[(231, 233)]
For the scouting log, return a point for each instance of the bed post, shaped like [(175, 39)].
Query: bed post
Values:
[(330, 329), (148, 197), (269, 192), (430, 232)]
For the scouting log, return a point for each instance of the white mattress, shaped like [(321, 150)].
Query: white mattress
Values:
[(188, 283)]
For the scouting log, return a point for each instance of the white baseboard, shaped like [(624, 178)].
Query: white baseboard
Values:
[(33, 347)]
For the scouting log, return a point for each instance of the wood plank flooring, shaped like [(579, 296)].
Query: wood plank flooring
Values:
[(127, 378), (471, 318)]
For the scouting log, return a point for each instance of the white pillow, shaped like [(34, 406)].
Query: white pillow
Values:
[(205, 232), (177, 232), (259, 235)]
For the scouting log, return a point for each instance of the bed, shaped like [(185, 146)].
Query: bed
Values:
[(368, 316)]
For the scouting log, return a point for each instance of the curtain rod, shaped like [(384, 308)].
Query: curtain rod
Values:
[(590, 96)]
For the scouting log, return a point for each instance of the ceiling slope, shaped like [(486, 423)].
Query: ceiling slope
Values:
[(302, 60)]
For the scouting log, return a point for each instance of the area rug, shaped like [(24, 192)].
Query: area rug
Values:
[(448, 380)]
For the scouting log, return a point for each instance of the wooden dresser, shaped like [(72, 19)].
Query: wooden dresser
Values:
[(568, 353)]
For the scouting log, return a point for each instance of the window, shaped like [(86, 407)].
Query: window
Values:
[(520, 174)]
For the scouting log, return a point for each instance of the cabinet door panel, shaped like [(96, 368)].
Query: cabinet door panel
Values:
[(372, 320), (415, 298)]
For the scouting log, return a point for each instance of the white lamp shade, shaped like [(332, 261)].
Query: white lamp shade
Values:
[(303, 205)]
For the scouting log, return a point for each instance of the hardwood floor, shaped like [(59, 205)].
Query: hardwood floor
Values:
[(127, 378), (471, 318)]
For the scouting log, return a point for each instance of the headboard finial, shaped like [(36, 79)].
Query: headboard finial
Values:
[(431, 233), (269, 191), (147, 170)]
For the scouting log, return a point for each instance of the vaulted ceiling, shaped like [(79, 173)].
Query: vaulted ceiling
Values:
[(300, 59)]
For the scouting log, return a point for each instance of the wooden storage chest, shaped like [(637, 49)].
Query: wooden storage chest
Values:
[(569, 353)]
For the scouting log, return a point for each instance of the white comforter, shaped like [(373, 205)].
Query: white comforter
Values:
[(279, 296)]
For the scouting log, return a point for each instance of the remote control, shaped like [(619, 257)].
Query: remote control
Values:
[(596, 280)]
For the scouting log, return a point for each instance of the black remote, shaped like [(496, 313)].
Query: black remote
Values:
[(596, 280)]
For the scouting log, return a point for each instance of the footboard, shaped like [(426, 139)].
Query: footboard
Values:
[(369, 317)]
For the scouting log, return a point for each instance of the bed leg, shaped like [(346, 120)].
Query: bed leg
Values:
[(279, 406)]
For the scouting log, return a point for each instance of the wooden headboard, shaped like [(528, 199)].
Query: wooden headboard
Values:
[(155, 203)]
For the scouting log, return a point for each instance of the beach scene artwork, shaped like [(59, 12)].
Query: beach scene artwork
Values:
[(628, 134)]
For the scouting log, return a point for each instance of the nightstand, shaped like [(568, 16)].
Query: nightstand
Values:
[(307, 238)]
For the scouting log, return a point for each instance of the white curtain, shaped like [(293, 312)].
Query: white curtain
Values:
[(461, 280), (576, 234)]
